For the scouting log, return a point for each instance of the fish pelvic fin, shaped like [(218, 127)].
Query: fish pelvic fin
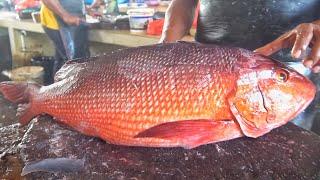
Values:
[(193, 133), (22, 94)]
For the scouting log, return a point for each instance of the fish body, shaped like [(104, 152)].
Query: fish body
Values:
[(168, 95)]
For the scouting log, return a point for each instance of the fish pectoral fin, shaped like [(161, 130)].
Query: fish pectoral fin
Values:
[(193, 133)]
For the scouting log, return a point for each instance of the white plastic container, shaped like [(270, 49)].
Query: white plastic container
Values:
[(26, 73), (139, 18)]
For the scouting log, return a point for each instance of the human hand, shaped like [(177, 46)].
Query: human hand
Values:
[(72, 20), (303, 36), (93, 13)]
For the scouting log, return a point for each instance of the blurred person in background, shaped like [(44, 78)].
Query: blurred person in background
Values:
[(64, 23)]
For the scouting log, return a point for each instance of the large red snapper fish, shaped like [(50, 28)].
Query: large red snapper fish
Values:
[(168, 95)]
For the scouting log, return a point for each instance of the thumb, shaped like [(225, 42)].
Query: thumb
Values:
[(275, 46), (265, 50), (270, 48)]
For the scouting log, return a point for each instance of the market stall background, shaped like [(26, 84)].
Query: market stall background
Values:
[(288, 152)]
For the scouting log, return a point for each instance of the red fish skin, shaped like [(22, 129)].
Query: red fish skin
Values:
[(118, 117), (119, 99), (120, 96)]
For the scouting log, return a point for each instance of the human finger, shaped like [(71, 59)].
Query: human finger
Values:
[(316, 69), (313, 59), (304, 34), (276, 45)]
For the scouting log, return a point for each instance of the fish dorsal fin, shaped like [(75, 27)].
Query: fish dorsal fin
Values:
[(247, 106), (68, 70), (193, 133), (72, 67)]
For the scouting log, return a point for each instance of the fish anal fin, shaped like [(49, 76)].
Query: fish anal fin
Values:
[(193, 133)]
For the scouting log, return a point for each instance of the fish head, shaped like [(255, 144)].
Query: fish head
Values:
[(286, 93), (268, 95)]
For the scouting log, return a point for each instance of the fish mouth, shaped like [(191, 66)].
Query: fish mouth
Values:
[(309, 93), (304, 102), (302, 107)]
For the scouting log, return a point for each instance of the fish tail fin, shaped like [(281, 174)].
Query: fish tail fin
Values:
[(22, 94)]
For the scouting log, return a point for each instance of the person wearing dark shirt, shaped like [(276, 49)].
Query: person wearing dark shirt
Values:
[(252, 25)]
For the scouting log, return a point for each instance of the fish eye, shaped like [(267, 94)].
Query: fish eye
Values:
[(282, 75)]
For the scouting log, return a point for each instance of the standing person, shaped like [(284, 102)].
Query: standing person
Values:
[(251, 24), (62, 20)]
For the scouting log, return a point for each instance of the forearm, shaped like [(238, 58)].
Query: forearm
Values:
[(95, 4), (55, 7), (178, 20), (316, 22)]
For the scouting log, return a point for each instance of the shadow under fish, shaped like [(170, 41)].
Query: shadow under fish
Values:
[(54, 165)]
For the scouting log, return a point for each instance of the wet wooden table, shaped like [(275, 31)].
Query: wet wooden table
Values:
[(288, 152)]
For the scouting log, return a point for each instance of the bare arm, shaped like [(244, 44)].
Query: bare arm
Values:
[(55, 7), (178, 21), (91, 11), (96, 3), (303, 36)]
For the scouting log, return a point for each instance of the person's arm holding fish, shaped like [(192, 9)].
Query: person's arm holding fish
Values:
[(178, 20), (56, 7), (303, 36)]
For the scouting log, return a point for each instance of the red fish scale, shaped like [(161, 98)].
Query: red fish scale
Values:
[(119, 95)]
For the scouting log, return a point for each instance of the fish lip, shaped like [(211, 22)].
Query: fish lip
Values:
[(312, 93), (306, 103)]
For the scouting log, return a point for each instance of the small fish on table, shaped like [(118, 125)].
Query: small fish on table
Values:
[(169, 95)]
